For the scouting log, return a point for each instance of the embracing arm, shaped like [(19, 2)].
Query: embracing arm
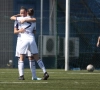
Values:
[(16, 31), (28, 20), (14, 17)]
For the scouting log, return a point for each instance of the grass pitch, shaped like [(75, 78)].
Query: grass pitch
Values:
[(59, 80)]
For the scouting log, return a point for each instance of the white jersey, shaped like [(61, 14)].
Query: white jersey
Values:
[(29, 27), (17, 25), (27, 38)]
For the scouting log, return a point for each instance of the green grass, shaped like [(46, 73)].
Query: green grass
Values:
[(59, 80)]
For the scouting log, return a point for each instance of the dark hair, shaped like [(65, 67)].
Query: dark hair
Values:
[(22, 7), (30, 12)]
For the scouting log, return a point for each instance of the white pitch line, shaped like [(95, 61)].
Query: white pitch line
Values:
[(55, 72), (21, 82), (25, 72), (83, 73)]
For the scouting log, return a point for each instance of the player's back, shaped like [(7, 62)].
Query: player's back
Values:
[(28, 26)]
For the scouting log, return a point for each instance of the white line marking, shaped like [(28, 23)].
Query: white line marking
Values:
[(83, 73), (21, 82), (57, 72), (26, 72)]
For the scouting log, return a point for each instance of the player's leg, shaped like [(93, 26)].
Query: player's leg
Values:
[(33, 68), (21, 67), (34, 50), (41, 65), (32, 65), (17, 53), (22, 51)]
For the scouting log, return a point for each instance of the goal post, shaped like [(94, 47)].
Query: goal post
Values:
[(67, 36)]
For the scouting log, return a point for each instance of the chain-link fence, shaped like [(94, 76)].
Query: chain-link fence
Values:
[(84, 32), (6, 32), (53, 31), (85, 24)]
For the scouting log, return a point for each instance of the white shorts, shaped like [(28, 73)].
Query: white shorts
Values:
[(28, 53), (27, 46), (17, 54)]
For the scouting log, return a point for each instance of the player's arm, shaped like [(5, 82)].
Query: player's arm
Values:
[(16, 31), (28, 20), (14, 17)]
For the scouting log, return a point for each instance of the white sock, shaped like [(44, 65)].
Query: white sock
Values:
[(21, 67), (18, 67), (32, 68), (41, 65)]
